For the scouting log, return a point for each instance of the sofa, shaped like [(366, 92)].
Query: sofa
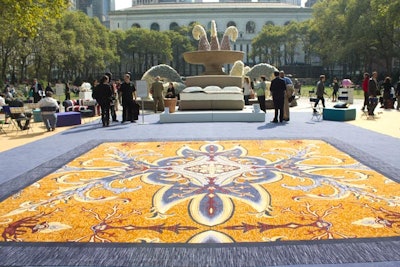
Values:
[(211, 98), (80, 105)]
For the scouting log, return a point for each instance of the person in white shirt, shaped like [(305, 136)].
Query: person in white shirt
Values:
[(2, 100), (49, 116)]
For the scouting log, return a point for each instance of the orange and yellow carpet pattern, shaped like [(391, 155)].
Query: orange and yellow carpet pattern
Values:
[(205, 192)]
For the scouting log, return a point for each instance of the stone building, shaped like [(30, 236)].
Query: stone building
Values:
[(248, 17)]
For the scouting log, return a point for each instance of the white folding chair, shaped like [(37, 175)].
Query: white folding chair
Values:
[(316, 110)]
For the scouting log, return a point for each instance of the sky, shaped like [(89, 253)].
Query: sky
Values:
[(121, 4)]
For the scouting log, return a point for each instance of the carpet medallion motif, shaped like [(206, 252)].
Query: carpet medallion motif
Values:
[(205, 192)]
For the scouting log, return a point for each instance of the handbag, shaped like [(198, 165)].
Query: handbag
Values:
[(252, 95)]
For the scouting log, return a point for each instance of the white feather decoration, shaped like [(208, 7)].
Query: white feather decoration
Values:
[(200, 34), (237, 69), (262, 69), (214, 42), (230, 33)]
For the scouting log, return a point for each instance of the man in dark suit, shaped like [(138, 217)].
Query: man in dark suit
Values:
[(128, 93), (113, 104), (37, 91), (278, 89)]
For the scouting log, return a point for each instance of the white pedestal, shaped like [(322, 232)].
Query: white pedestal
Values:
[(349, 92), (85, 95), (245, 115)]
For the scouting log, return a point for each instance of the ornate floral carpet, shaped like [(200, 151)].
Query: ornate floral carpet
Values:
[(205, 192)]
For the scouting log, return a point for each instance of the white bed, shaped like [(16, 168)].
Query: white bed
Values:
[(211, 98)]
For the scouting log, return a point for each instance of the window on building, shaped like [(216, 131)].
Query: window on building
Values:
[(155, 27), (250, 27), (135, 25), (173, 26), (269, 22), (231, 23)]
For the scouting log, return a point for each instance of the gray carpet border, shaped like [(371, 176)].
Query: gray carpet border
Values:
[(81, 255), (239, 254)]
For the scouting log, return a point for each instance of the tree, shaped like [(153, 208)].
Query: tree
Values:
[(180, 43), (118, 38), (357, 34), (267, 45), (291, 32), (146, 48), (88, 44), (23, 20)]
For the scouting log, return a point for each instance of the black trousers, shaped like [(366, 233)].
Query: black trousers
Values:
[(127, 111), (278, 106), (105, 113), (322, 100), (372, 103), (113, 114), (261, 101), (365, 100)]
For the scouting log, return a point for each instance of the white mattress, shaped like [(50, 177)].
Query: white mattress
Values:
[(212, 93)]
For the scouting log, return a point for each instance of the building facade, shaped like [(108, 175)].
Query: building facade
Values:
[(248, 17), (96, 8)]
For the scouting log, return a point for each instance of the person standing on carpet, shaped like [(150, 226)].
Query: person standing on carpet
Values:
[(246, 90), (113, 103), (157, 91), (373, 90), (320, 92), (260, 90), (49, 116), (103, 95), (278, 92), (365, 89), (128, 95), (289, 93), (387, 98)]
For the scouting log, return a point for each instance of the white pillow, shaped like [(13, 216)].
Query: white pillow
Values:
[(212, 88), (232, 89), (193, 89)]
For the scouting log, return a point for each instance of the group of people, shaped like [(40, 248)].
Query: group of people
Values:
[(157, 92), (282, 92), (373, 95), (106, 94), (44, 100)]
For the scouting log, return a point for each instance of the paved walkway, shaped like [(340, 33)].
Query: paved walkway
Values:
[(384, 123)]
